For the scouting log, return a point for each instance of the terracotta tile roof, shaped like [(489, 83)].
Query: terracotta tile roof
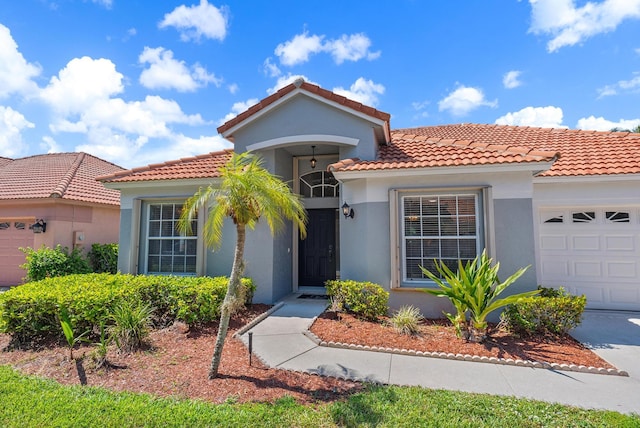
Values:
[(582, 153), (69, 176), (4, 161), (201, 166), (409, 150), (309, 87)]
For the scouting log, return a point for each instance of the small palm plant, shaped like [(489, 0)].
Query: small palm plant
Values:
[(132, 322), (406, 320), (474, 288), (67, 329)]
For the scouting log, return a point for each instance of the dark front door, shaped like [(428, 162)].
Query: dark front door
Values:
[(317, 258)]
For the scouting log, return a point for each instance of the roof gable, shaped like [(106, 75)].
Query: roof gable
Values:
[(68, 176), (297, 88)]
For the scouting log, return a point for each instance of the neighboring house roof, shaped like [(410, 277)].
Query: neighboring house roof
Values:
[(68, 176), (4, 161), (300, 84), (408, 150), (202, 166), (582, 153)]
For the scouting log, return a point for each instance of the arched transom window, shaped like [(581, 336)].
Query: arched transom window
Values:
[(319, 184)]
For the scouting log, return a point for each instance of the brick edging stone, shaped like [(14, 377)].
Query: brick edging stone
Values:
[(467, 357)]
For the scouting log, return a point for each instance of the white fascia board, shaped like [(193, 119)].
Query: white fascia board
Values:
[(472, 169), (306, 138), (587, 178), (153, 184), (292, 94)]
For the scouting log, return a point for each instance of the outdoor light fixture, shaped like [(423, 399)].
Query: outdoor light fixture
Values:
[(39, 226), (347, 211), (313, 160)]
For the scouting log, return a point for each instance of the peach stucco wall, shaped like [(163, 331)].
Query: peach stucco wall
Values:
[(65, 222)]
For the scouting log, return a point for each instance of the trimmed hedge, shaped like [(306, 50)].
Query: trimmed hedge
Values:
[(30, 311), (553, 311), (364, 299)]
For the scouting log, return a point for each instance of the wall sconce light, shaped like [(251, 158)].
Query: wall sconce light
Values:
[(347, 211), (313, 160), (39, 226)]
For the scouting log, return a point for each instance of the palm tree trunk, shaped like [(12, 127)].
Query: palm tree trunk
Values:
[(229, 300)]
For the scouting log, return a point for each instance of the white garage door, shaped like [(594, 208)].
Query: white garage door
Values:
[(592, 251), (13, 235)]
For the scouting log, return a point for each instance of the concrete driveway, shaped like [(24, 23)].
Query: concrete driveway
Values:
[(615, 336)]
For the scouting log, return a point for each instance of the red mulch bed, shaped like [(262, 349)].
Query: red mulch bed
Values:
[(177, 360), (176, 364), (438, 335)]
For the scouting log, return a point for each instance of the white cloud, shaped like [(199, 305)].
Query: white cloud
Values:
[(11, 125), (420, 108), (82, 98), (50, 145), (233, 88), (298, 49), (593, 123), (363, 90), (16, 73), (106, 3), (511, 79), (569, 25), (238, 108), (195, 22), (182, 146), (631, 85), (82, 82), (544, 117), (165, 72), (463, 100), (270, 69), (353, 47)]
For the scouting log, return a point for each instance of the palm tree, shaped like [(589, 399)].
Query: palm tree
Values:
[(246, 192)]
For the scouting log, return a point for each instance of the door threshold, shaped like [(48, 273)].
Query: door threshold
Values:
[(313, 290)]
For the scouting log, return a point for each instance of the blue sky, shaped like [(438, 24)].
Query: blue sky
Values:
[(138, 82)]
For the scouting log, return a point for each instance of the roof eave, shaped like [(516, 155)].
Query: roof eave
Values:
[(532, 167)]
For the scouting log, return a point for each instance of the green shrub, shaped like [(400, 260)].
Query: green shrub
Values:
[(132, 322), (103, 258), (406, 320), (30, 311), (364, 299), (554, 311), (52, 262)]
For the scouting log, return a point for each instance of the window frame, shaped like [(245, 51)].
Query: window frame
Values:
[(481, 195), (146, 217)]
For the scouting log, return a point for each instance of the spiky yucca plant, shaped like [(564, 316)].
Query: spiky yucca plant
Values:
[(474, 288)]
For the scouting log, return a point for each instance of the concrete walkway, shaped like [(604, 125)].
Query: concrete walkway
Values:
[(279, 342)]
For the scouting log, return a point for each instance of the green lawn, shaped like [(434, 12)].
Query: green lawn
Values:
[(35, 402)]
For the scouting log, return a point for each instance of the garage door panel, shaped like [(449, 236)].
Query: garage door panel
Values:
[(622, 270), (593, 292), (553, 242), (585, 243), (620, 243), (587, 269), (597, 255), (555, 269)]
